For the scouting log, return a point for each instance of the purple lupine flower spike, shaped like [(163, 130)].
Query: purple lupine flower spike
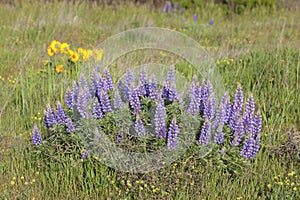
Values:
[(169, 89), (256, 147), (220, 119), (172, 141), (159, 119), (181, 10), (203, 96), (128, 84), (82, 103), (69, 98), (238, 132), (117, 100), (94, 82), (211, 22), (83, 85), (153, 93), (195, 17), (134, 101), (108, 78), (49, 117), (257, 124), (96, 109), (168, 6), (248, 147), (139, 126), (237, 107), (69, 126), (60, 113), (36, 136), (219, 134), (143, 81), (205, 132), (175, 7), (102, 84), (104, 100), (248, 118)]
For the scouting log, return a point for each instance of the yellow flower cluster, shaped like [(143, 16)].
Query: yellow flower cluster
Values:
[(63, 48), (10, 79), (225, 61), (287, 183)]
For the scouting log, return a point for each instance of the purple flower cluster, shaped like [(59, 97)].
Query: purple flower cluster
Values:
[(172, 141), (60, 113), (96, 109), (69, 126), (245, 125), (205, 132), (159, 119), (169, 89), (36, 136), (139, 127), (134, 101), (49, 117), (117, 100)]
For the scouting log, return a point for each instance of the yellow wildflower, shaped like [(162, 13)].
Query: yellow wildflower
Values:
[(22, 177), (280, 183), (26, 183), (45, 62), (74, 56), (50, 51), (12, 182), (295, 189), (55, 45), (86, 54), (59, 68), (98, 54), (64, 48), (269, 186)]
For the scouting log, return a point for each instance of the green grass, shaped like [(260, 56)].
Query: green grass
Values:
[(266, 61)]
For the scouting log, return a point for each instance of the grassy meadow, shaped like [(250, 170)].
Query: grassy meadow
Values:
[(259, 48)]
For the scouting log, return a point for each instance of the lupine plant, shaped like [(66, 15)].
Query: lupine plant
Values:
[(223, 124)]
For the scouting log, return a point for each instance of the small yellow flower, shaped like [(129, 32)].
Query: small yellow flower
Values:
[(50, 51), (55, 45), (26, 183), (98, 54), (269, 186), (64, 48), (295, 189), (74, 56), (33, 180), (14, 178), (59, 68), (141, 188), (22, 177), (12, 182), (86, 54), (292, 184), (45, 62), (280, 183), (129, 183)]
